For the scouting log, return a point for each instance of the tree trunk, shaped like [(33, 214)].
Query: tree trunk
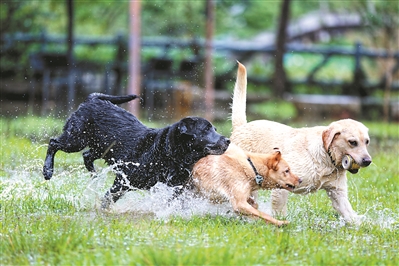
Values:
[(134, 81), (279, 77), (209, 77), (389, 64), (70, 57)]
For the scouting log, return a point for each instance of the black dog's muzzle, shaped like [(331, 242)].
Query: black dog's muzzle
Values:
[(219, 148)]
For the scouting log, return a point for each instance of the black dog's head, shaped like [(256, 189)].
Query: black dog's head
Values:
[(201, 136)]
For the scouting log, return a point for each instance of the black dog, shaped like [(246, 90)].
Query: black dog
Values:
[(141, 156)]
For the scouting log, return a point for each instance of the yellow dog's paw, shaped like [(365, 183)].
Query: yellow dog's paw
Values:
[(356, 220), (282, 223)]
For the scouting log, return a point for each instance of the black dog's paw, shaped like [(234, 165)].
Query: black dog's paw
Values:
[(106, 201), (47, 173), (105, 204)]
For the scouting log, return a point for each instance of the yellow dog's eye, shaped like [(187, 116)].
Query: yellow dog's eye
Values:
[(353, 143)]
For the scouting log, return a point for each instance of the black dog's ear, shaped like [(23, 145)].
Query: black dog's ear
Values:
[(182, 129), (185, 131)]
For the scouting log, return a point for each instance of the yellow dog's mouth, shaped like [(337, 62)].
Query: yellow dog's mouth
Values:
[(348, 163), (289, 187)]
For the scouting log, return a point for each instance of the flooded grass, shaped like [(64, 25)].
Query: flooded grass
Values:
[(59, 222)]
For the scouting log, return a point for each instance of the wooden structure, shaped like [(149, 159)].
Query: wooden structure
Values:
[(360, 84)]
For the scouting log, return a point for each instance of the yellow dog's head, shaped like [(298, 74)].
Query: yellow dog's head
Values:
[(346, 141)]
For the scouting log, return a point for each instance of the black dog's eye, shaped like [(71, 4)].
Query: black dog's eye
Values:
[(208, 128), (353, 143), (215, 129)]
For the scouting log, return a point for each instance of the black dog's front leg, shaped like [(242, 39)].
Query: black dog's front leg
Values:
[(66, 142), (88, 158), (117, 190), (178, 190), (48, 166)]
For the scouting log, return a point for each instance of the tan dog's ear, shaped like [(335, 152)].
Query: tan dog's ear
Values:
[(329, 134), (274, 160)]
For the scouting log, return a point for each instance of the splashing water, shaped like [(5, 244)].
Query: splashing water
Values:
[(159, 201), (75, 185)]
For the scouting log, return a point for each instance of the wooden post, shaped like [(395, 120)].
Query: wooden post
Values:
[(209, 77), (134, 55), (70, 58), (120, 55), (358, 48), (359, 76), (279, 77)]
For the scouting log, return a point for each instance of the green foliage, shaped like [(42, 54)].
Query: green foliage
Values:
[(185, 19), (19, 16), (38, 129), (383, 130), (298, 66), (16, 16), (382, 20), (275, 110), (246, 19), (180, 18)]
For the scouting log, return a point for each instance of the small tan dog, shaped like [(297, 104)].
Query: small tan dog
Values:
[(236, 176), (320, 155)]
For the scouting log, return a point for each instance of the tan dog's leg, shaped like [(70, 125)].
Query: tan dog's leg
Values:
[(340, 202), (253, 199), (279, 201), (253, 203), (245, 208)]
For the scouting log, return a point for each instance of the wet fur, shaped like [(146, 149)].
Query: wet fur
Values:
[(141, 156), (313, 153), (230, 177)]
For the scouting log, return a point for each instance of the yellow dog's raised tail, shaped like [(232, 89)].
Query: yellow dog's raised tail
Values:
[(238, 112)]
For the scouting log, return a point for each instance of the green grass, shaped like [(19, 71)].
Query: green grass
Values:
[(56, 223), (275, 110)]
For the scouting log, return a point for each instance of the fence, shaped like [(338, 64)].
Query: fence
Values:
[(360, 84)]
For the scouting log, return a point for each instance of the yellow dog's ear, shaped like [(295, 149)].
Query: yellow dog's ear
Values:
[(274, 160), (329, 135)]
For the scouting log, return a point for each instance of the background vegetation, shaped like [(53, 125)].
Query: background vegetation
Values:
[(235, 20)]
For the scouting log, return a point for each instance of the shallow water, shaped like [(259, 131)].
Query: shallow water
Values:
[(158, 201), (76, 186)]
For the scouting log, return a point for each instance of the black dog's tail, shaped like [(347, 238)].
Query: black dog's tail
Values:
[(112, 98)]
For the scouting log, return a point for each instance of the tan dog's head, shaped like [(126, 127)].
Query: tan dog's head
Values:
[(279, 171), (347, 137)]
